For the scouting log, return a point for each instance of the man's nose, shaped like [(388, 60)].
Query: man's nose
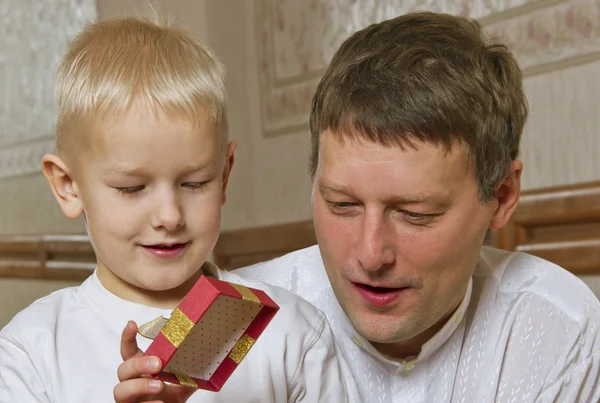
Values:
[(376, 249)]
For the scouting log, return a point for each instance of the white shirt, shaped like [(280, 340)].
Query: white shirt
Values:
[(526, 331), (65, 348)]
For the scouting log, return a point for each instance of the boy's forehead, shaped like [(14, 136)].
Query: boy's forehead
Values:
[(138, 128)]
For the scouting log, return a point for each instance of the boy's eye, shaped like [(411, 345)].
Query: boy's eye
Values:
[(130, 190), (195, 185)]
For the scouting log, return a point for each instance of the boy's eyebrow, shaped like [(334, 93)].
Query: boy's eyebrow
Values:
[(126, 171), (139, 171)]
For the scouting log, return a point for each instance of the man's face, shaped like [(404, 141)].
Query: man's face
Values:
[(151, 187), (400, 232)]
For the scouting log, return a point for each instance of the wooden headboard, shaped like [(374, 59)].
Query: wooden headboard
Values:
[(244, 247), (560, 224), (52, 257)]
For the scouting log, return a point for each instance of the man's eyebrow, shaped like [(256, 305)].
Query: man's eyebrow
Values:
[(328, 187), (417, 198)]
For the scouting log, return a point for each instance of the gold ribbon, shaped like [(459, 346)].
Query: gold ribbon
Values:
[(184, 379), (241, 348), (177, 327), (246, 293)]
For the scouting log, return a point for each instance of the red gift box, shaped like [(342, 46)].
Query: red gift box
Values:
[(210, 332)]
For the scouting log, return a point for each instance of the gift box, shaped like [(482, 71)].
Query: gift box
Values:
[(209, 333)]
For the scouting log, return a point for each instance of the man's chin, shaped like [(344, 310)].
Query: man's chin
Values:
[(385, 329)]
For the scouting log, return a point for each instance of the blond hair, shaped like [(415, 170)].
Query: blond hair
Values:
[(112, 64)]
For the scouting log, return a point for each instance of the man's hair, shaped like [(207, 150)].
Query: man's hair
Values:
[(425, 77), (113, 64)]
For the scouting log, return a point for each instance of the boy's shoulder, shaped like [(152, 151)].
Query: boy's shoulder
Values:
[(41, 316)]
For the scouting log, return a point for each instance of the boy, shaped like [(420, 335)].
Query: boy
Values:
[(143, 155)]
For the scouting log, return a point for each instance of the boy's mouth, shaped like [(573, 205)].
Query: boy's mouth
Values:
[(166, 250)]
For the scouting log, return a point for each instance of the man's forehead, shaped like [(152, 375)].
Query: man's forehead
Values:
[(417, 174), (393, 157)]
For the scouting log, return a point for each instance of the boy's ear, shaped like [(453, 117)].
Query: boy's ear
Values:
[(509, 193), (229, 159), (62, 185)]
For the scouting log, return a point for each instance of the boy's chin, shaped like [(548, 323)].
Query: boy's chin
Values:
[(174, 284)]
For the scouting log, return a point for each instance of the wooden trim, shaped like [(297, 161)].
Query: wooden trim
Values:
[(560, 224), (57, 257), (238, 248)]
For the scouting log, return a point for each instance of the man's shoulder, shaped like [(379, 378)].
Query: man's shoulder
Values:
[(300, 272), (295, 260), (293, 309), (521, 276)]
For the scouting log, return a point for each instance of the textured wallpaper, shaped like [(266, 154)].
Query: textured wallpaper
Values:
[(33, 38), (296, 40)]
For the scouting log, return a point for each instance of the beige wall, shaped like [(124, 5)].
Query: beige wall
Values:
[(274, 53)]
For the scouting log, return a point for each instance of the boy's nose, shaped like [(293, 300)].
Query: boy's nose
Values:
[(168, 215)]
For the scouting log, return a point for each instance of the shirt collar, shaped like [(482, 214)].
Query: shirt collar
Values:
[(430, 347), (109, 303), (116, 307)]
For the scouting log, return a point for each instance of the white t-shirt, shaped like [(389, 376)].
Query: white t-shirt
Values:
[(526, 331), (65, 348)]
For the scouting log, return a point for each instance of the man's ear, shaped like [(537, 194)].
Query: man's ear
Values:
[(509, 193), (62, 185), (227, 171)]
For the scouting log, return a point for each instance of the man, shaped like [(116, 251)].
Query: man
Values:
[(416, 127)]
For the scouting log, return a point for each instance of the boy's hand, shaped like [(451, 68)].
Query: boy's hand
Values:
[(136, 385)]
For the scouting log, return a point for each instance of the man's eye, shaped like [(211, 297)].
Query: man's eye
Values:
[(341, 205), (418, 218), (130, 190), (342, 208)]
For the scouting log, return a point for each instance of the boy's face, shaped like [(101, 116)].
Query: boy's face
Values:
[(151, 187)]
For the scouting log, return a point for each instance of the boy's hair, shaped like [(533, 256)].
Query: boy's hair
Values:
[(425, 77), (113, 64)]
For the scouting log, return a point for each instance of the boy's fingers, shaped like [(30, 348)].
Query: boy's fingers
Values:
[(138, 366), (134, 390), (129, 347)]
